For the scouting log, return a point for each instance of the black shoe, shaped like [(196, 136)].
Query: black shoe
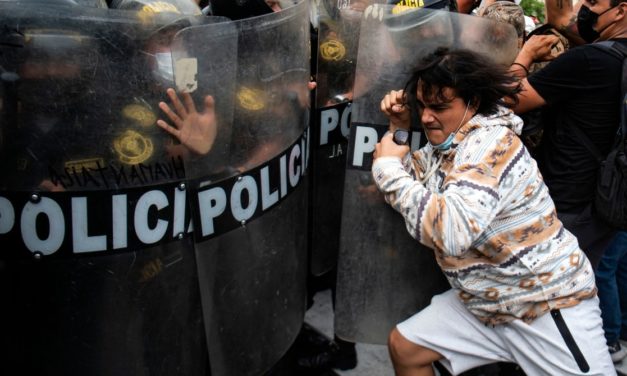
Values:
[(310, 339), (331, 357), (617, 352)]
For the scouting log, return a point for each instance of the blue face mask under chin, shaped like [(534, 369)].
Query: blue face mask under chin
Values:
[(443, 146), (446, 144)]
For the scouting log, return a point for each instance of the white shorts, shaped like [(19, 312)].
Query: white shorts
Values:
[(446, 326)]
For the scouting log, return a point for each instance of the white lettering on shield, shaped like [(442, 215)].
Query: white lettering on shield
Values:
[(42, 223), (253, 193)]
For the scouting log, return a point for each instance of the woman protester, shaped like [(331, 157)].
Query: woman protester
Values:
[(522, 290)]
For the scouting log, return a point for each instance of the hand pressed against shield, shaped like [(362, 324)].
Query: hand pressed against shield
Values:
[(195, 130)]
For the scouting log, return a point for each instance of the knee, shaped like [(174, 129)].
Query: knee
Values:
[(406, 353)]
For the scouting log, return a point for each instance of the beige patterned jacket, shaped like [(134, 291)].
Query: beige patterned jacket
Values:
[(488, 216)]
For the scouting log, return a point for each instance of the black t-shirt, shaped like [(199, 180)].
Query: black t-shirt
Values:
[(582, 89)]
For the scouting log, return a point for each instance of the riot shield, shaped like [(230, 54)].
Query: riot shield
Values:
[(250, 221), (384, 275), (98, 272), (338, 38)]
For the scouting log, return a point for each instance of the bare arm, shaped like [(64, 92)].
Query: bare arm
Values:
[(466, 6), (528, 99), (562, 15), (537, 48)]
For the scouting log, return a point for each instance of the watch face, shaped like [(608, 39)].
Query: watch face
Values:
[(401, 137), (339, 99)]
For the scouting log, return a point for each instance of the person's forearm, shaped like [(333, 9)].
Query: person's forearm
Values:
[(558, 12), (446, 222), (467, 6), (562, 15)]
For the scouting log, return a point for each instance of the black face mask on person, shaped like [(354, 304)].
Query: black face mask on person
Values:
[(586, 19)]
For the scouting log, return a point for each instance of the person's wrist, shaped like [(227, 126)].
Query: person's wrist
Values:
[(394, 125), (524, 58), (518, 65), (339, 98)]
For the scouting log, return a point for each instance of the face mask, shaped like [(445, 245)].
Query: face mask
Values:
[(164, 72), (586, 19), (449, 140)]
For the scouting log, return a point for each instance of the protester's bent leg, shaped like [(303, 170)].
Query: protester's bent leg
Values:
[(447, 329), (408, 358)]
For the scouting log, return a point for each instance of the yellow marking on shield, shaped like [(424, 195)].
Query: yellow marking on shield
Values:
[(251, 99), (160, 6), (405, 5), (88, 163), (132, 147), (333, 50), (142, 115)]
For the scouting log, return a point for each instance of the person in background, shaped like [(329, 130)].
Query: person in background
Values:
[(507, 12), (611, 277), (580, 91)]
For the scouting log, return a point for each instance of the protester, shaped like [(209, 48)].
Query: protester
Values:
[(521, 286)]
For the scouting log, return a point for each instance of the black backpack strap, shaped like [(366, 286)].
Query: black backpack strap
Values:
[(585, 140), (620, 47)]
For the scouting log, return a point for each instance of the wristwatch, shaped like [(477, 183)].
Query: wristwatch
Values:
[(339, 99)]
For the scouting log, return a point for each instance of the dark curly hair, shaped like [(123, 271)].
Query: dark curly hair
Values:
[(473, 77)]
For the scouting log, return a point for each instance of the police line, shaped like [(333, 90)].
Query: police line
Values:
[(60, 224)]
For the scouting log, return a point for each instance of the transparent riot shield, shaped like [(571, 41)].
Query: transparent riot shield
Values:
[(338, 38), (98, 273), (250, 221), (384, 275)]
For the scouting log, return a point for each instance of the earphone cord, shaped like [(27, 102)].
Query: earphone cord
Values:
[(429, 166)]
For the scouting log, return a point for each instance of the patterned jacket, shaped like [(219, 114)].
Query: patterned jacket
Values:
[(488, 216)]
